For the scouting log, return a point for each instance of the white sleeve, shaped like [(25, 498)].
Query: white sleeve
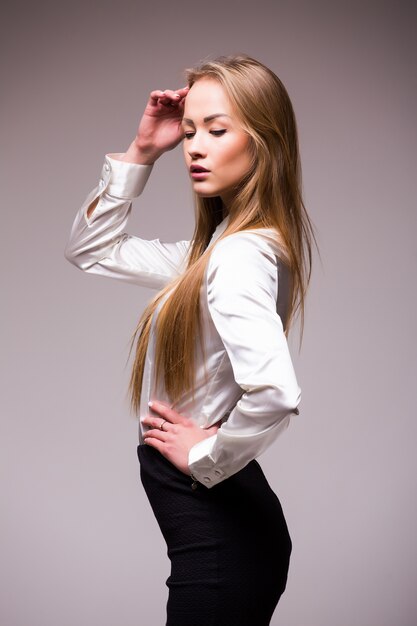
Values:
[(99, 245), (242, 290)]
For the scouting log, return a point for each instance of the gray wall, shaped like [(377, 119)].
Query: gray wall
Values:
[(79, 543)]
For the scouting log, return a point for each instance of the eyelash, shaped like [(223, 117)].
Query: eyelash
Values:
[(216, 133)]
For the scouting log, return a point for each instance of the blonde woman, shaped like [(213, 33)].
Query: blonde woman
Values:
[(212, 381)]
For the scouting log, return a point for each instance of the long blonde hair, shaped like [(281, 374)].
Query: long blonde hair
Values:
[(269, 197)]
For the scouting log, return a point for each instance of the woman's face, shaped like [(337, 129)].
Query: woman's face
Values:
[(216, 148)]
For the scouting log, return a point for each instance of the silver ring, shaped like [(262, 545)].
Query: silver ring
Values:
[(161, 424)]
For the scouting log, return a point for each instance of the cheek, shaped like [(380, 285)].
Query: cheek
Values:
[(239, 151), (240, 159), (226, 154), (247, 153)]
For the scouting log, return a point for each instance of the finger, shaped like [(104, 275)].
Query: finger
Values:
[(171, 98), (171, 103), (155, 95), (170, 93), (156, 422), (165, 411), (183, 91), (164, 97), (155, 433), (155, 443), (178, 94)]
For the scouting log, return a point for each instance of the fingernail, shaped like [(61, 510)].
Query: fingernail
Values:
[(150, 403)]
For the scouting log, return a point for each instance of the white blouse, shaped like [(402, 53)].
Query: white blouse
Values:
[(246, 379)]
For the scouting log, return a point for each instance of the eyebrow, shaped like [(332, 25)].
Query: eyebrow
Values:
[(206, 119)]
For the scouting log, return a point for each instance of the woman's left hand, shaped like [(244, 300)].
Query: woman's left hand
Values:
[(173, 434)]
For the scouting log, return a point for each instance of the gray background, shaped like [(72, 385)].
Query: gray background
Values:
[(79, 542)]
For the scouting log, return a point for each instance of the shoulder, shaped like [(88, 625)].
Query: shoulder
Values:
[(245, 247), (261, 239), (245, 262)]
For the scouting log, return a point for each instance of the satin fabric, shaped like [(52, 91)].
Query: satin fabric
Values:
[(246, 378)]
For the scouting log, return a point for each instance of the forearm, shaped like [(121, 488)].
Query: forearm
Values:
[(246, 434), (94, 233), (100, 244)]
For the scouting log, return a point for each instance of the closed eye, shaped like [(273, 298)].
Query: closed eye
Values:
[(216, 133)]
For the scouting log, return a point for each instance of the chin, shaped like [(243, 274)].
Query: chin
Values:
[(206, 194), (202, 194)]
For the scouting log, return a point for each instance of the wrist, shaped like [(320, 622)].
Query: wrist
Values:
[(141, 153)]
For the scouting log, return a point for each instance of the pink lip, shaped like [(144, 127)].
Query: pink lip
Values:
[(197, 175), (198, 169), (198, 172)]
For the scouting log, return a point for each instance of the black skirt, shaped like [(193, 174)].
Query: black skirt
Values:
[(229, 546)]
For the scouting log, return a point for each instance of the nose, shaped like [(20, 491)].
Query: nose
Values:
[(196, 148)]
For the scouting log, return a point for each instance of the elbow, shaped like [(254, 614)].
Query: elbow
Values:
[(68, 254), (284, 401), (268, 405), (293, 400), (71, 255)]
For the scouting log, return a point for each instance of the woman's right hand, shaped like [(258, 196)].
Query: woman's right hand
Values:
[(160, 127)]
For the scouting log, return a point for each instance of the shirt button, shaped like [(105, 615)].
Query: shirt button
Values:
[(106, 167), (218, 472), (207, 479)]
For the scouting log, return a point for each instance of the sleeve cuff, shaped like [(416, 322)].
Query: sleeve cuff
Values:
[(122, 179), (201, 463)]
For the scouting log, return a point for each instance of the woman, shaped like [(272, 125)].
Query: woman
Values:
[(212, 380)]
